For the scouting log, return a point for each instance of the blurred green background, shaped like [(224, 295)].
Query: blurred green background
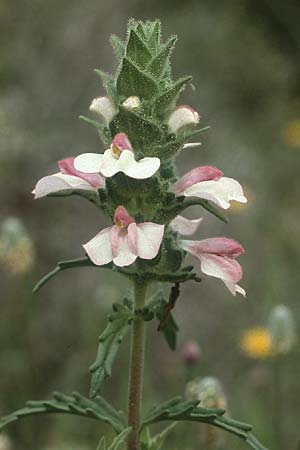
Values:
[(245, 60)]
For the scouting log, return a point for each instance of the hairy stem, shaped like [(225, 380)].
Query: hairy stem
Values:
[(136, 367)]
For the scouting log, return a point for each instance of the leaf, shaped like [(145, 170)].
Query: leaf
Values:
[(118, 46), (108, 82), (102, 444), (137, 50), (157, 65), (178, 409), (120, 439), (157, 307), (109, 343), (157, 441), (130, 121), (165, 101), (133, 81), (206, 205), (154, 38), (76, 404), (64, 265)]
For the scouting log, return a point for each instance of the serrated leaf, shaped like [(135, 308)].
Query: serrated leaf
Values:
[(108, 82), (75, 404), (118, 45), (120, 439), (137, 51), (109, 343), (157, 65), (181, 410), (166, 100), (133, 81), (141, 130)]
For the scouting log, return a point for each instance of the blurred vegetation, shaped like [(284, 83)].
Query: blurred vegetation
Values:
[(245, 60)]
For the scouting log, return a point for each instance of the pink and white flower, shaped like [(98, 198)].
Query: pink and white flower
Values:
[(184, 226), (125, 241), (182, 117), (104, 107), (68, 179), (209, 183), (118, 158), (217, 258)]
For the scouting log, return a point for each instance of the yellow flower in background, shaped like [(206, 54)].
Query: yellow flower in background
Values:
[(256, 343), (291, 133)]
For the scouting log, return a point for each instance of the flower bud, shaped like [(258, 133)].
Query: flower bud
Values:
[(104, 107), (282, 329), (16, 247), (182, 117), (191, 353), (132, 102)]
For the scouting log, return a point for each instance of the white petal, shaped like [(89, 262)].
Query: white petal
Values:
[(110, 165), (149, 237), (88, 162), (59, 182), (185, 226), (235, 288), (99, 248), (142, 169), (191, 145), (105, 107), (124, 256), (220, 192)]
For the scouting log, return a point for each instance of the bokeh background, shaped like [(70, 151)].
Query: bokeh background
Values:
[(245, 60)]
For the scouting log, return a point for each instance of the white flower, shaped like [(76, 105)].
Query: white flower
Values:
[(132, 102), (118, 158), (104, 107), (182, 117)]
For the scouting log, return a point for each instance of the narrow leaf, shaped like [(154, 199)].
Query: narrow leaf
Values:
[(102, 444), (120, 439), (109, 343), (118, 46), (154, 38)]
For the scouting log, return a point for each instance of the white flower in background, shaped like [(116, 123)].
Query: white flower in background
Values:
[(68, 179), (5, 442), (104, 107), (125, 241), (132, 102), (182, 117), (209, 183), (118, 158)]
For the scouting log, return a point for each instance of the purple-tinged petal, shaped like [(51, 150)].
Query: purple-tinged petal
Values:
[(217, 246), (227, 269), (66, 166), (122, 142), (122, 218), (197, 175), (59, 182)]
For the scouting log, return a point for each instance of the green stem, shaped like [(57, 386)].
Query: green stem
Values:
[(136, 367)]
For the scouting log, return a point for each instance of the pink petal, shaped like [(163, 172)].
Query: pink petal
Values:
[(99, 248), (121, 216), (122, 142), (218, 246), (66, 166), (221, 267), (185, 226), (149, 238), (201, 173)]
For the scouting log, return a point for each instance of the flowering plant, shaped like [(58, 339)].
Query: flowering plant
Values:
[(135, 183)]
